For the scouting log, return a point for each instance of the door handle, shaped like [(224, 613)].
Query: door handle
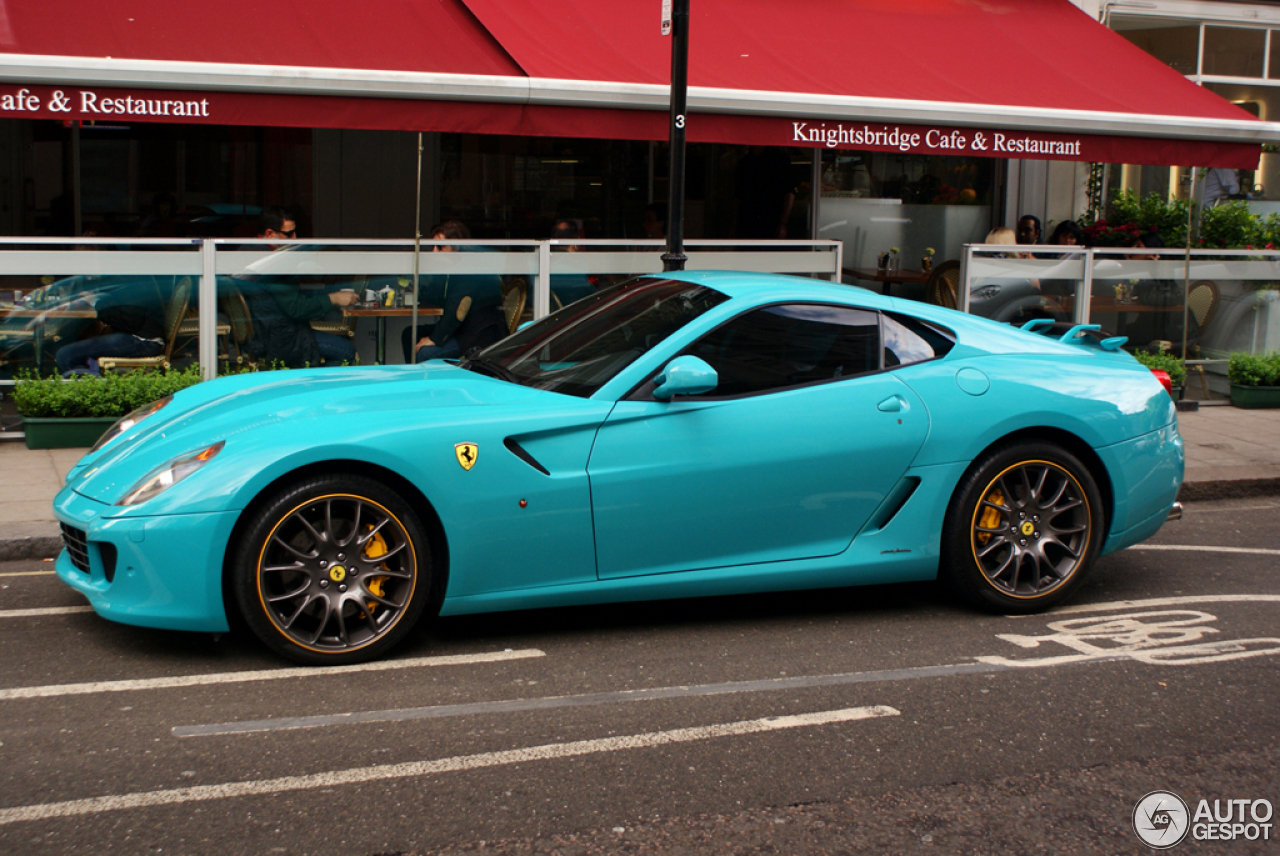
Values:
[(893, 404)]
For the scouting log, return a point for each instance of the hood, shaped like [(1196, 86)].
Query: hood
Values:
[(280, 410)]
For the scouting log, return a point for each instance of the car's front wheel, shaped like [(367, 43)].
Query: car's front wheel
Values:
[(1023, 528), (332, 570)]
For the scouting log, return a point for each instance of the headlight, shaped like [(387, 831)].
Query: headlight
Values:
[(127, 422), (161, 479), (985, 292)]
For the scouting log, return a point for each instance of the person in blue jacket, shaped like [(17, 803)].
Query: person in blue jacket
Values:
[(471, 303)]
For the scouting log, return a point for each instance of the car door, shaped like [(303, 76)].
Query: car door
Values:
[(786, 459)]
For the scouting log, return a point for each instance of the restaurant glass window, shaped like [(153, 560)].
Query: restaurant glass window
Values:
[(1234, 52), (517, 187), (875, 202), (1174, 42)]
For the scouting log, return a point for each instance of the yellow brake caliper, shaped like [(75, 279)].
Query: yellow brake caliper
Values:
[(376, 547), (990, 518)]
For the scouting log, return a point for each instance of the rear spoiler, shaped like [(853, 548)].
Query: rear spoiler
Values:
[(1080, 334)]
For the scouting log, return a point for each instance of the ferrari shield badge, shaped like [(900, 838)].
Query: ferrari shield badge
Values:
[(466, 453)]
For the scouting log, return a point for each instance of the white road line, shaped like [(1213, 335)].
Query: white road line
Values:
[(264, 675), (48, 610), (1111, 606), (1198, 549), (386, 772)]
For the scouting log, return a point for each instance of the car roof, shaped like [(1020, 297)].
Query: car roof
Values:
[(748, 284)]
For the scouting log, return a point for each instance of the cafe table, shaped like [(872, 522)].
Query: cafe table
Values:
[(887, 277), (382, 313)]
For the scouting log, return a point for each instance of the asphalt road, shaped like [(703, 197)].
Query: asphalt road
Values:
[(884, 720)]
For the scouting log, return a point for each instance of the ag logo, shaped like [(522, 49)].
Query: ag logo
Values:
[(466, 453), (337, 573), (1028, 528), (1161, 819)]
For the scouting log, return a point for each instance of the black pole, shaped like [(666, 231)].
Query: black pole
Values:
[(674, 258)]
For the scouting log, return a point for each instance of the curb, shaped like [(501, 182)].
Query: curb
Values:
[(14, 549), (34, 547), (1232, 489)]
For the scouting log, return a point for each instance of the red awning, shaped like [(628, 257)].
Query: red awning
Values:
[(1032, 78)]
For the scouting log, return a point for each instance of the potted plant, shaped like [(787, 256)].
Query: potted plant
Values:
[(1255, 380), (1167, 363), (59, 413)]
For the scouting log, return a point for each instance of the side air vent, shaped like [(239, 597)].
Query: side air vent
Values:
[(523, 454), (893, 504)]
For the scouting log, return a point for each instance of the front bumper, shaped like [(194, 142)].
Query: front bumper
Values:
[(163, 571)]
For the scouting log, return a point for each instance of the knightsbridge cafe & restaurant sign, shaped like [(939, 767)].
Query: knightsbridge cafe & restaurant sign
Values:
[(952, 141)]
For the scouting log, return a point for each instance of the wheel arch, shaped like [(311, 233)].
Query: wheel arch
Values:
[(406, 489), (1073, 444)]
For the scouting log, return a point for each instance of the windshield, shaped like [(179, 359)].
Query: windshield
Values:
[(582, 346)]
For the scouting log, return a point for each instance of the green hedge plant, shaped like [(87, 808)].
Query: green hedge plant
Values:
[(1164, 362), (87, 395), (1254, 369)]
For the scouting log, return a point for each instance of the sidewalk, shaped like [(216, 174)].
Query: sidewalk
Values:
[(1230, 453)]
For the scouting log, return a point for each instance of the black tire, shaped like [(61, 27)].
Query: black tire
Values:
[(332, 570), (1023, 529)]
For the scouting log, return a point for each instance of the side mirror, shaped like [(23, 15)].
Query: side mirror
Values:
[(685, 375)]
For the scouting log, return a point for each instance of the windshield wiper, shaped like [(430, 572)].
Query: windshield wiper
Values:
[(490, 368)]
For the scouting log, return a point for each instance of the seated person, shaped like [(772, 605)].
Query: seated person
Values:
[(471, 303), (134, 313), (281, 309), (1068, 234), (568, 287)]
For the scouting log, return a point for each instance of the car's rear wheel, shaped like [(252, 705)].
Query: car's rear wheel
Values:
[(1023, 529), (332, 570)]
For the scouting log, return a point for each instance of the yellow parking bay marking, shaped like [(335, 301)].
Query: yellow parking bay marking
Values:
[(1256, 551), (48, 610), (361, 775), (264, 675), (28, 574)]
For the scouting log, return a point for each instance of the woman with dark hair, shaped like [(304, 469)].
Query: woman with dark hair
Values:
[(1068, 233)]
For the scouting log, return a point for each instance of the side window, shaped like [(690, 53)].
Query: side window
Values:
[(790, 345), (909, 340)]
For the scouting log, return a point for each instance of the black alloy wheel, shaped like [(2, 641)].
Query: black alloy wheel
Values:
[(1024, 527), (333, 570)]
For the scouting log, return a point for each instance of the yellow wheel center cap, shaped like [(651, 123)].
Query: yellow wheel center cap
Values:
[(337, 573), (1028, 527)]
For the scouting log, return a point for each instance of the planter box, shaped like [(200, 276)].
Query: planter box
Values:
[(1253, 397), (65, 433)]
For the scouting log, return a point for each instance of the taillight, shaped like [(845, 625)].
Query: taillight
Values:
[(1165, 380)]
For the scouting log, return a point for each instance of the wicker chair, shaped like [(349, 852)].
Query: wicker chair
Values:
[(236, 308), (943, 286), (515, 294), (1202, 303)]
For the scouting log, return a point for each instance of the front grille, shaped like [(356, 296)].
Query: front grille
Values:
[(77, 542)]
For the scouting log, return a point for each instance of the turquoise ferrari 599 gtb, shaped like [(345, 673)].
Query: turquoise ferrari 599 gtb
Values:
[(676, 435)]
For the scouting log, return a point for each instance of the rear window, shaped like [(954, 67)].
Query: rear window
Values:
[(909, 340)]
